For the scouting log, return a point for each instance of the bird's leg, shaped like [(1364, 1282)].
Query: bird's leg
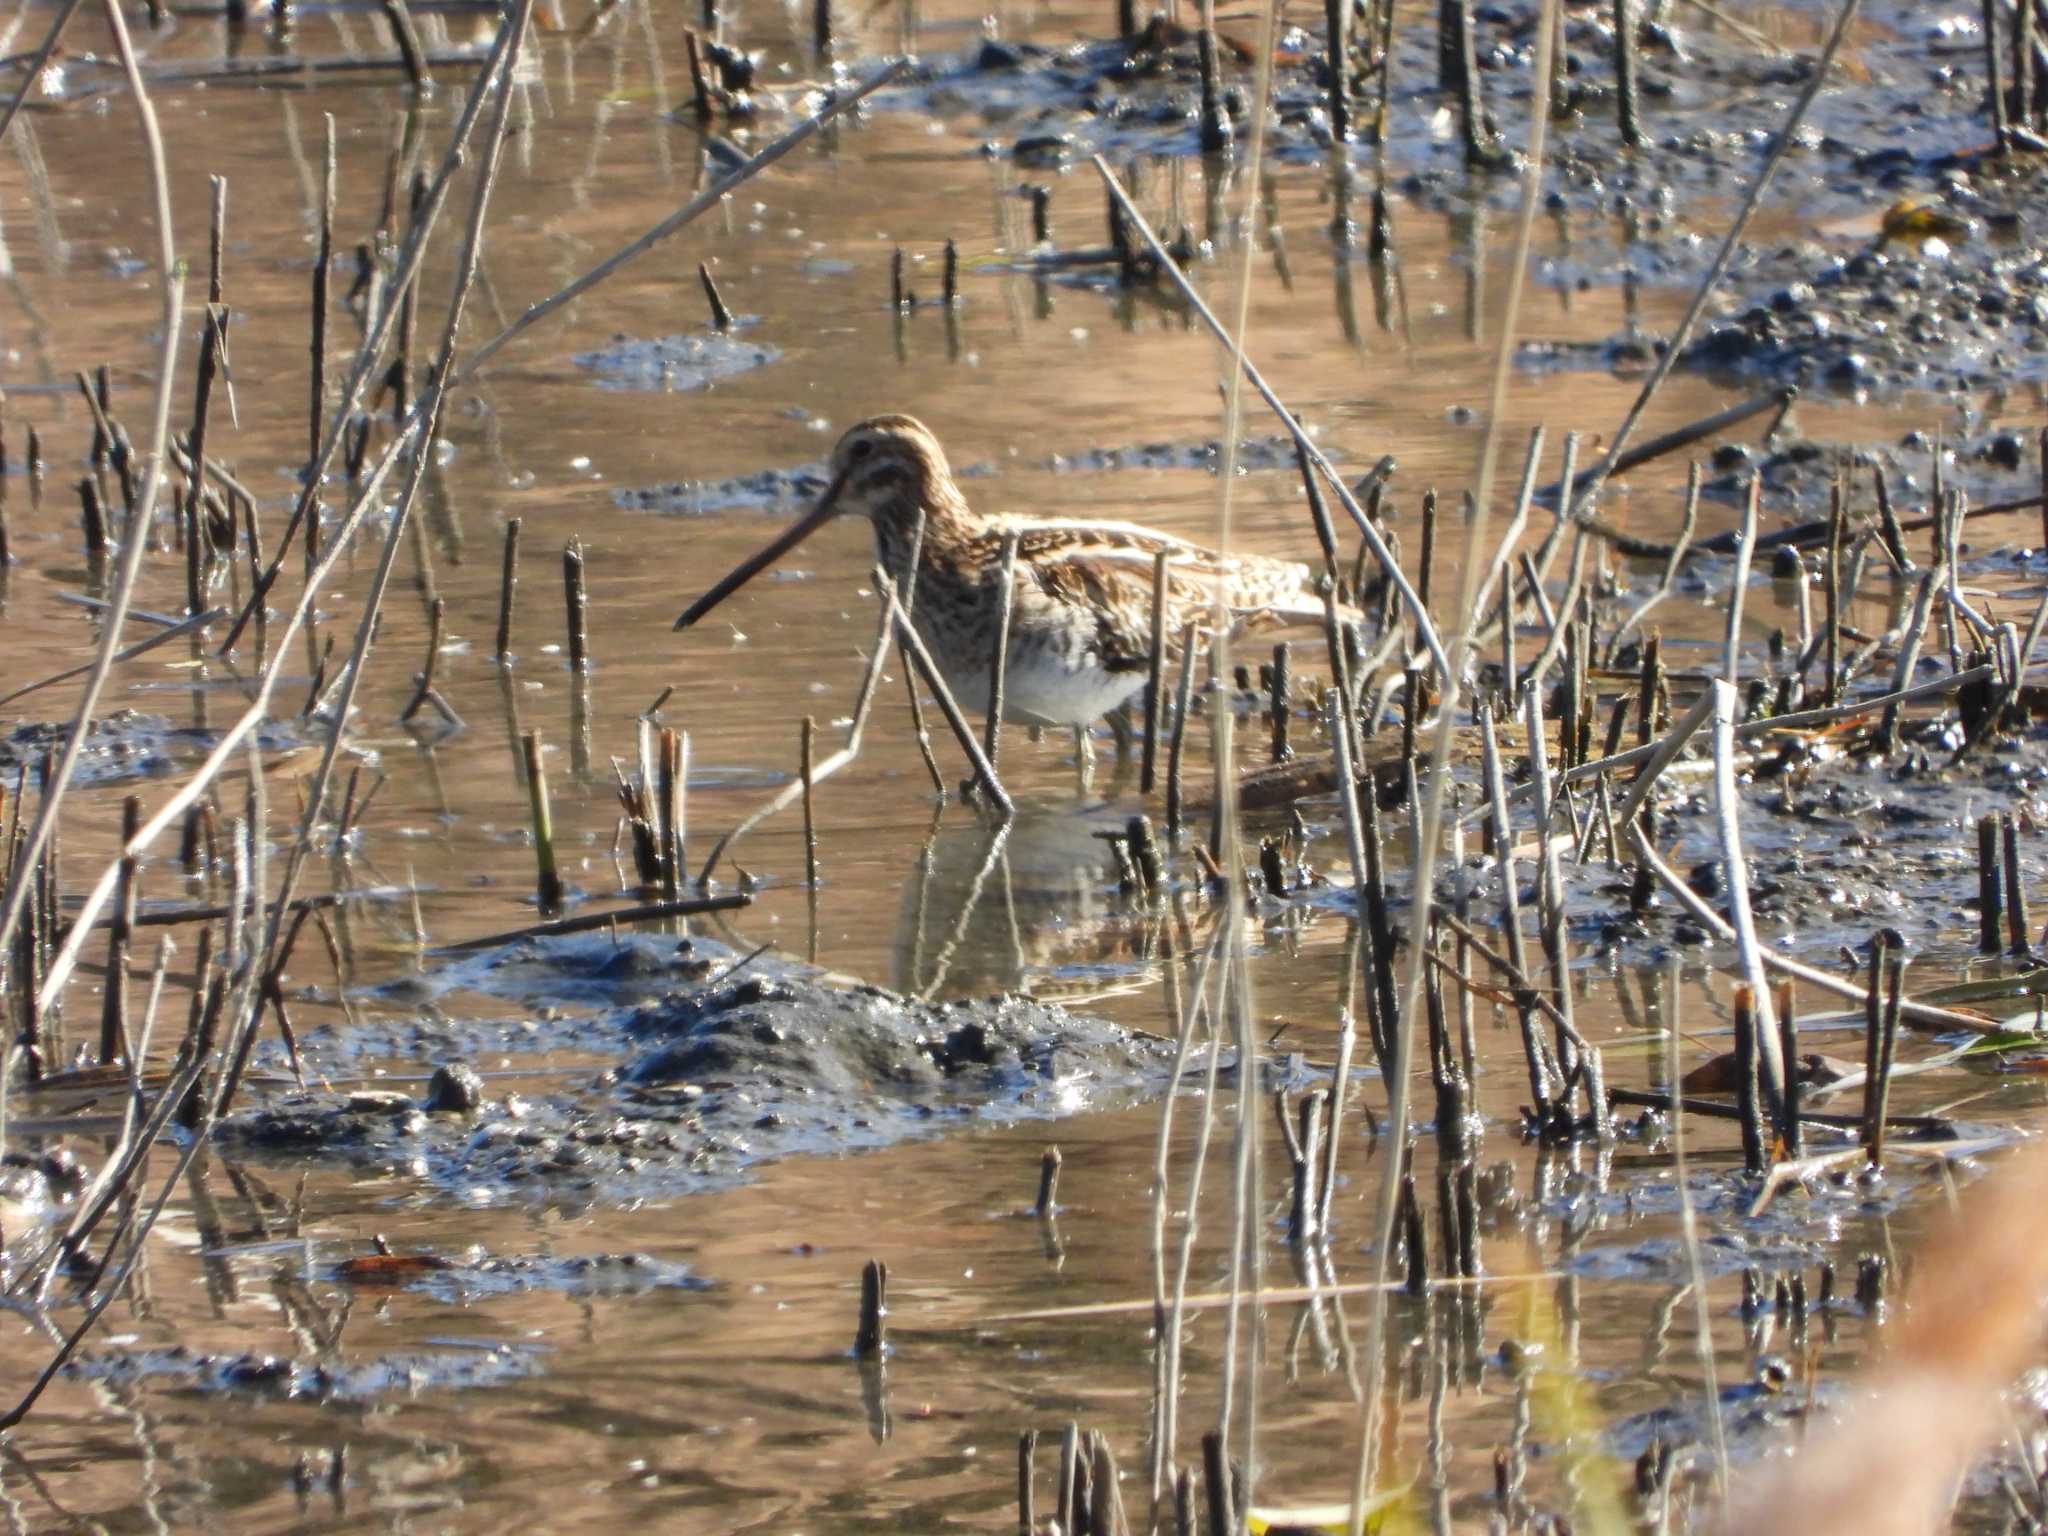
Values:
[(1121, 728), (1084, 759)]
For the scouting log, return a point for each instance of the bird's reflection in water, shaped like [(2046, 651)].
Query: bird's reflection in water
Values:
[(1032, 907)]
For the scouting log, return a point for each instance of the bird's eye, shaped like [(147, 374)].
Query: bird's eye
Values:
[(860, 449)]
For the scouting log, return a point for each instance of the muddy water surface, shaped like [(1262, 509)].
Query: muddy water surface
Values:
[(591, 1398)]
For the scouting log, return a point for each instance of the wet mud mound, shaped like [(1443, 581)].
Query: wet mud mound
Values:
[(1769, 1416), (1839, 842), (1839, 845), (718, 1073)]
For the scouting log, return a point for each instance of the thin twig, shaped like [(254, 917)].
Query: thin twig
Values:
[(584, 922), (182, 627)]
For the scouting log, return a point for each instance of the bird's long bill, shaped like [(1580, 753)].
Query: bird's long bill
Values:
[(761, 559)]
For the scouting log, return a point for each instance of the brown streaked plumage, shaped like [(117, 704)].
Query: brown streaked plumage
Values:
[(1081, 617)]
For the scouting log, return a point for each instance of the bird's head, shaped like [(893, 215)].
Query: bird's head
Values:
[(886, 460), (884, 467)]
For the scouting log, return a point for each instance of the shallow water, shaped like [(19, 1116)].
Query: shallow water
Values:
[(737, 1407)]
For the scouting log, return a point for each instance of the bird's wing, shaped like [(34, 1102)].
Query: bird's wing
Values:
[(1106, 570), (1118, 554)]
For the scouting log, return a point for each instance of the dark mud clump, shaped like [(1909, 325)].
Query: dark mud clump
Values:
[(675, 364), (1253, 453), (1769, 1415), (761, 490), (125, 745), (1854, 323), (716, 1075), (765, 490), (276, 1376), (1798, 474), (481, 1276), (1839, 844), (1882, 320)]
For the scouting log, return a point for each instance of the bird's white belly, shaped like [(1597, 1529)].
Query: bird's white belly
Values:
[(1043, 688)]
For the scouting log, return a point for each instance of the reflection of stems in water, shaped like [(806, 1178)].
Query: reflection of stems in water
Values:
[(1469, 220), (438, 516), (1675, 347), (584, 922), (223, 1287), (943, 962), (913, 979), (789, 793), (425, 694), (1027, 1504), (1170, 1313), (579, 726), (1669, 579), (1275, 232), (1017, 958), (172, 284), (1559, 620), (1347, 299), (305, 508), (1689, 1235)]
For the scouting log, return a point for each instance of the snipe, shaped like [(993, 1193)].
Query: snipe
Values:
[(1081, 615)]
